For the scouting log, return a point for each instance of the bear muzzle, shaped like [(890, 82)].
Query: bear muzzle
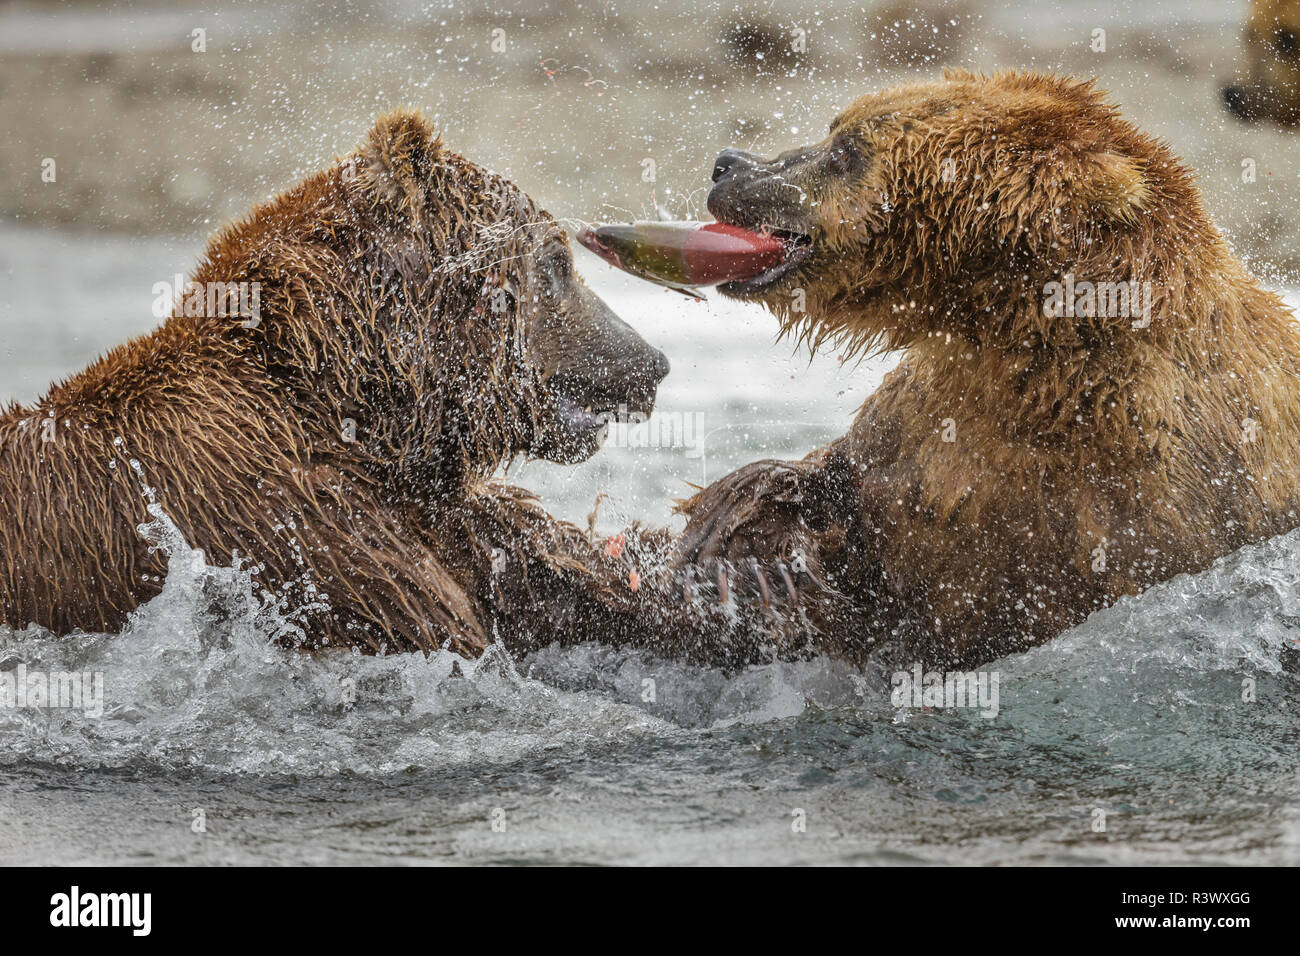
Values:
[(615, 379), (751, 193)]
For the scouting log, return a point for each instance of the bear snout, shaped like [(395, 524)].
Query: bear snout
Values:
[(657, 367), (623, 363), (729, 160), (755, 194), (630, 377), (736, 187)]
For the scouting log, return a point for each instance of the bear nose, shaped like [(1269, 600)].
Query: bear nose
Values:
[(650, 368), (640, 381), (659, 367), (728, 160)]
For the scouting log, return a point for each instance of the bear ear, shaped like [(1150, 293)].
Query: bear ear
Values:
[(397, 159), (1115, 185)]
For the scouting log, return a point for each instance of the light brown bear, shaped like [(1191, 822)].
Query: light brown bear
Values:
[(1271, 83), (347, 368), (1093, 394)]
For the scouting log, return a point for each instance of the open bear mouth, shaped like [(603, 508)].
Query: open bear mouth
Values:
[(584, 413), (797, 251), (580, 418)]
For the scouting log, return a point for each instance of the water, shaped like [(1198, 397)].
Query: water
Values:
[(1138, 713)]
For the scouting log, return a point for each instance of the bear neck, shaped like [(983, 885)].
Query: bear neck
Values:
[(426, 430), (1218, 349)]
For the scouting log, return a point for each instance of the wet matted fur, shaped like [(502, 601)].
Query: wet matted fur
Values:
[(1019, 469), (340, 440)]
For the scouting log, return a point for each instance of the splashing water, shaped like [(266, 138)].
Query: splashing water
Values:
[(1141, 711), (195, 680)]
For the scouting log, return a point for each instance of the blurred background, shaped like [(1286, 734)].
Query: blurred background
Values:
[(157, 142)]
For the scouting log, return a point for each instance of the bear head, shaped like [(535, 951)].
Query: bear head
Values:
[(424, 314), (947, 208)]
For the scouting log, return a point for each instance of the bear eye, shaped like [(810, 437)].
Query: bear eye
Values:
[(843, 157)]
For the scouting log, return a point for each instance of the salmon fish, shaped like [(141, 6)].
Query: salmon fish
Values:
[(683, 255)]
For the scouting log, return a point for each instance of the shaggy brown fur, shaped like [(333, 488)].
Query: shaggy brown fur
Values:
[(419, 325), (1270, 87), (1017, 470)]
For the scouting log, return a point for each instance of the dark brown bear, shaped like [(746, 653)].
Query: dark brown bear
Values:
[(408, 322)]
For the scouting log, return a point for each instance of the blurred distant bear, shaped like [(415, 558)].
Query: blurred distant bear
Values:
[(347, 368), (1093, 395), (1271, 87)]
